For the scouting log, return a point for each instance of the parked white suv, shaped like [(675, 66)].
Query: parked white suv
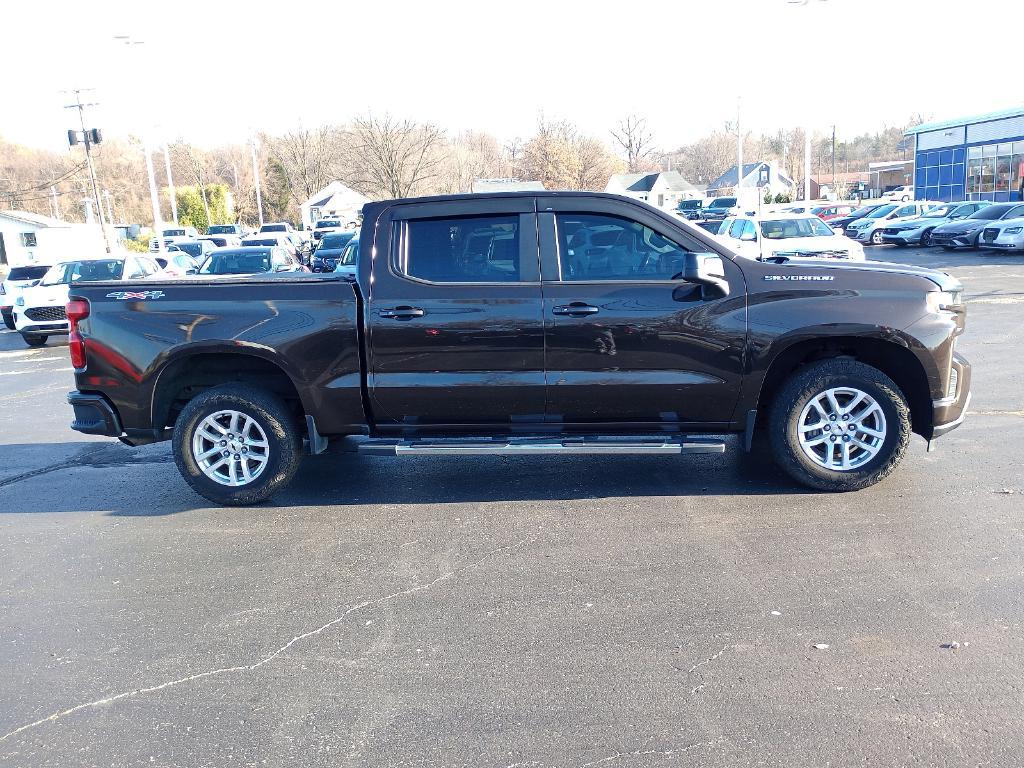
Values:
[(786, 236), (868, 229), (17, 281), (39, 311), (899, 195)]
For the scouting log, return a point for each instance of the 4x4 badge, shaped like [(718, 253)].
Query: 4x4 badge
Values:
[(143, 295)]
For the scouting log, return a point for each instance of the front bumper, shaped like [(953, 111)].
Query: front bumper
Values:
[(94, 415), (1003, 245), (909, 237), (42, 328), (950, 412), (953, 241)]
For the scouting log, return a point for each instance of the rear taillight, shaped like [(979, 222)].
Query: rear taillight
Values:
[(76, 310)]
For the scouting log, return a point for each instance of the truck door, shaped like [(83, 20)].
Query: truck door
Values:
[(455, 317), (627, 341)]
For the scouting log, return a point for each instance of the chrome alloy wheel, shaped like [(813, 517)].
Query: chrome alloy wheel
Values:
[(841, 428), (230, 448)]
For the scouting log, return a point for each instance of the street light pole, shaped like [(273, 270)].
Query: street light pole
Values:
[(256, 180), (739, 151), (170, 184), (154, 197)]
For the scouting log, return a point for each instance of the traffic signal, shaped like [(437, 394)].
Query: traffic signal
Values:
[(95, 136), (72, 137)]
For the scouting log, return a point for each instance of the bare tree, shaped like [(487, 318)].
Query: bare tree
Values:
[(307, 159), (636, 142), (594, 164), (389, 157)]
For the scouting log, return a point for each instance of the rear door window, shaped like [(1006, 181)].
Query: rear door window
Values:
[(468, 249)]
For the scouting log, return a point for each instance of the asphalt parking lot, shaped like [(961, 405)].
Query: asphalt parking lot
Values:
[(522, 611)]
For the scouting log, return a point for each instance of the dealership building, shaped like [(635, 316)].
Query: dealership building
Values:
[(974, 158)]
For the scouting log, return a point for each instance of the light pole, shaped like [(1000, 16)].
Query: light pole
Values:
[(807, 127), (154, 195), (256, 181), (170, 184), (89, 137), (739, 151)]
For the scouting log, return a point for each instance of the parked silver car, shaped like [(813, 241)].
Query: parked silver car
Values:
[(918, 231)]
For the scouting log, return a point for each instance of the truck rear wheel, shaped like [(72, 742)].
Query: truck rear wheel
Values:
[(839, 425), (236, 445)]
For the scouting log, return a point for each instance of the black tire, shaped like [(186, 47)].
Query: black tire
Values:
[(926, 238), (273, 417), (9, 322), (33, 339), (807, 383), (876, 237)]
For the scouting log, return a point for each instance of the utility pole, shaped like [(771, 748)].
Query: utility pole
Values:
[(154, 198), (89, 137), (739, 151), (170, 184), (256, 180), (833, 156), (110, 206), (55, 205)]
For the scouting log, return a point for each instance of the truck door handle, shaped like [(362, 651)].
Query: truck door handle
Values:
[(402, 313), (576, 309)]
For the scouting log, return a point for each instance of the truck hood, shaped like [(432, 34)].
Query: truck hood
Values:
[(811, 245), (943, 280)]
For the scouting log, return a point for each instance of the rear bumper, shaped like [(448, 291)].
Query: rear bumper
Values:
[(94, 415), (949, 413)]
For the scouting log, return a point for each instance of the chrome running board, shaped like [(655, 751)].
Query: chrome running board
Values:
[(540, 447)]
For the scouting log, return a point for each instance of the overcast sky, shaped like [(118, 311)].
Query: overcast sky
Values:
[(211, 72)]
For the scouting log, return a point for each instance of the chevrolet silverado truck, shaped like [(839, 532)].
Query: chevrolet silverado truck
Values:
[(527, 324)]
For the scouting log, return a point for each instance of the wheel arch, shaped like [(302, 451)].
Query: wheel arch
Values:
[(184, 376), (895, 360)]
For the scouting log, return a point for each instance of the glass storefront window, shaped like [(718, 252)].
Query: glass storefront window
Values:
[(1003, 174), (989, 150), (1004, 149), (988, 176), (974, 152)]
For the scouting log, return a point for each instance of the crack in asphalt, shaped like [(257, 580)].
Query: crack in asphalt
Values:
[(91, 459), (266, 659), (650, 753)]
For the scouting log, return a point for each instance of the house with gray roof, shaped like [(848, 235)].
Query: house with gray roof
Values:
[(663, 189), (725, 185)]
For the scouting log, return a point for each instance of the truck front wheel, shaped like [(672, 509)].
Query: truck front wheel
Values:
[(236, 445), (839, 425)]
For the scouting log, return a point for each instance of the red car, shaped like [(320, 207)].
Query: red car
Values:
[(826, 212)]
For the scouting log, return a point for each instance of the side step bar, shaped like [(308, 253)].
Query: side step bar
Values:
[(456, 447)]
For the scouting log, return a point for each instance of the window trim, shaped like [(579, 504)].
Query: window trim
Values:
[(528, 253)]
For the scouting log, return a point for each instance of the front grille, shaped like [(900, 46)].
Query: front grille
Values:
[(46, 314), (941, 236), (990, 234)]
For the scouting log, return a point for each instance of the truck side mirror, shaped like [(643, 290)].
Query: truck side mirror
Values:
[(705, 269)]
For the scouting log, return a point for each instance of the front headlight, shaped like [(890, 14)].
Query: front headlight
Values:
[(1012, 231), (939, 301)]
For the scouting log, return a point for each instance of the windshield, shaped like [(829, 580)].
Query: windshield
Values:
[(84, 272), (686, 205), (174, 233), (273, 228), (780, 229), (237, 263), (348, 256), (991, 212), (221, 229), (940, 213), (723, 202), (195, 249), (880, 212), (327, 223), (261, 241), (27, 273), (335, 240), (862, 212)]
